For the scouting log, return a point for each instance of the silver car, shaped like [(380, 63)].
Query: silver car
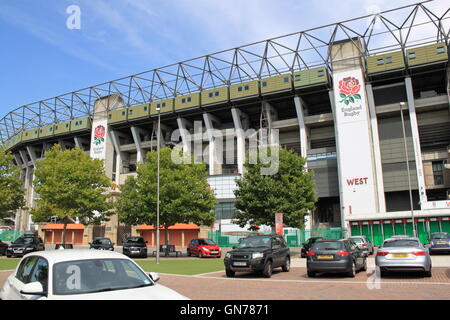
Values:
[(403, 254), (363, 243)]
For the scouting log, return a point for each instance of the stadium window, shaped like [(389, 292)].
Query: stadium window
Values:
[(183, 100), (145, 108), (76, 123), (67, 125), (239, 89), (246, 88), (158, 105), (216, 93), (440, 49), (320, 73), (412, 55), (286, 79), (388, 60), (130, 111), (123, 113), (380, 62), (297, 77), (56, 128), (110, 116), (164, 104), (264, 84), (189, 99), (438, 168), (210, 95)]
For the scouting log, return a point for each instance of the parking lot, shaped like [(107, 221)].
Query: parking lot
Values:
[(296, 284)]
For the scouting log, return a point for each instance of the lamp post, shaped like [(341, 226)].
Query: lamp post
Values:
[(157, 185), (407, 168)]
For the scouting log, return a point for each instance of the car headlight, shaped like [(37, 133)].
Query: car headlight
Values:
[(228, 255), (257, 255), (28, 248), (206, 249)]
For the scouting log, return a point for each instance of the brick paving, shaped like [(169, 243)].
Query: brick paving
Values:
[(295, 285)]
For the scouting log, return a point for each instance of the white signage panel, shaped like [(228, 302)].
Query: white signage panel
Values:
[(354, 147), (98, 139)]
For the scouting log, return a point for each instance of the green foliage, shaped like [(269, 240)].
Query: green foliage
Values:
[(11, 191), (185, 195), (72, 185), (289, 191)]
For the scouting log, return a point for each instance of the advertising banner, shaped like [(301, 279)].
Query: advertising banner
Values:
[(98, 139), (354, 144), (279, 223)]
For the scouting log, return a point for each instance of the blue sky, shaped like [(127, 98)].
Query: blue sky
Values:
[(41, 57)]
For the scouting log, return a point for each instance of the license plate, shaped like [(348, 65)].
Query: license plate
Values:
[(214, 252), (134, 251), (442, 243), (324, 256), (400, 255), (239, 264)]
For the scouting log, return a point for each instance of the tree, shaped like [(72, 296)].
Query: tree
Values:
[(289, 191), (71, 185), (185, 195), (11, 191)]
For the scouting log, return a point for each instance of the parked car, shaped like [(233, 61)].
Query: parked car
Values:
[(363, 243), (335, 256), (135, 247), (307, 245), (24, 245), (83, 274), (3, 247), (403, 254), (439, 242), (203, 248), (102, 244), (258, 254)]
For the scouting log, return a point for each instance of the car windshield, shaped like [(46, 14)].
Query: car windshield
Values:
[(135, 240), (401, 243), (102, 241), (255, 242), (97, 275), (440, 236), (206, 242), (357, 240), (327, 245), (23, 241)]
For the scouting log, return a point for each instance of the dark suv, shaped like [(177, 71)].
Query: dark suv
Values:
[(135, 246), (258, 254), (102, 244), (23, 245)]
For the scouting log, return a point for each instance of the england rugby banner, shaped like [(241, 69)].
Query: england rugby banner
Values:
[(98, 139), (354, 144)]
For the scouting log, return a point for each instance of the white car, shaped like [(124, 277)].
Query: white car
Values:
[(83, 275)]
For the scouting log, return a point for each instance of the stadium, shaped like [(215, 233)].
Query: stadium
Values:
[(366, 101)]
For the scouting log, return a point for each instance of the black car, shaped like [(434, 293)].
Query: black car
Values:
[(335, 256), (102, 244), (307, 245), (24, 245), (258, 254), (135, 247), (3, 247)]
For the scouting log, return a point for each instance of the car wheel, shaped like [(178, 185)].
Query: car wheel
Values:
[(311, 274), (428, 274), (230, 273), (287, 265), (200, 254), (352, 272), (267, 272)]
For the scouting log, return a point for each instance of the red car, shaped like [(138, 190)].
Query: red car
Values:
[(203, 248)]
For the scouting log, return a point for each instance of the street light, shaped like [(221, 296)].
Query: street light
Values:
[(407, 168), (157, 185)]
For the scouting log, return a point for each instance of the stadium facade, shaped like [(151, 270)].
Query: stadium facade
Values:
[(366, 101)]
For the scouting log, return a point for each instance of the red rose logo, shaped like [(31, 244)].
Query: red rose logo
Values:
[(99, 135), (99, 132), (349, 88)]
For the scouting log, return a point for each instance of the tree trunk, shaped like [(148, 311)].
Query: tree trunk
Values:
[(166, 235), (64, 232)]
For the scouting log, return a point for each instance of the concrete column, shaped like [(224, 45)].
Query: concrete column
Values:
[(137, 141), (416, 142), (270, 114), (301, 125), (183, 126), (215, 155), (32, 153), (119, 156), (240, 137), (376, 150)]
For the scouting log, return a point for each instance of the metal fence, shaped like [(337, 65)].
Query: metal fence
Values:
[(10, 235), (293, 237)]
